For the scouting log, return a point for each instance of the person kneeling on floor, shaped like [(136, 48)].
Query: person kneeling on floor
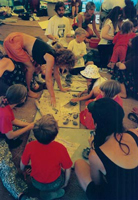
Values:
[(50, 161)]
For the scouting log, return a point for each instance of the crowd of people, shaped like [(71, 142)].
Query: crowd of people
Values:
[(112, 171)]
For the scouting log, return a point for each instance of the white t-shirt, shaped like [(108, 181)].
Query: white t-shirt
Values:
[(111, 32), (110, 4), (78, 49), (58, 26)]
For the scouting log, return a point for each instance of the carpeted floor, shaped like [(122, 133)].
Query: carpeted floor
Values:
[(27, 112)]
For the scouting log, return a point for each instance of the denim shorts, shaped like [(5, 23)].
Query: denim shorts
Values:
[(49, 187)]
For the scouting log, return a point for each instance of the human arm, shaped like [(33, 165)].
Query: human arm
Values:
[(105, 31), (96, 167), (95, 29), (67, 177), (13, 134), (80, 20), (22, 166), (50, 61), (81, 98), (20, 123), (57, 78), (50, 30), (6, 64)]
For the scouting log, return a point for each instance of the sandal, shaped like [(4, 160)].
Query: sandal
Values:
[(85, 153)]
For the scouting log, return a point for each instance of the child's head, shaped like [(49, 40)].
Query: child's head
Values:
[(15, 94), (91, 72), (127, 27), (110, 88), (80, 34), (46, 129), (90, 7)]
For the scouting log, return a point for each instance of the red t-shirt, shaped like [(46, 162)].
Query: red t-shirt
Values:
[(122, 39), (46, 160), (6, 118)]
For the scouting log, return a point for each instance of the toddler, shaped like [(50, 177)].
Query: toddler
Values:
[(50, 161), (121, 41), (78, 47), (94, 79)]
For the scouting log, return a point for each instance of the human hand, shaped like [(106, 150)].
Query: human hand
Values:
[(53, 102), (65, 89), (80, 93), (74, 100), (31, 126), (27, 172)]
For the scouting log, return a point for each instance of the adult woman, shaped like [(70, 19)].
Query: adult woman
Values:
[(85, 18), (113, 169), (20, 47), (105, 45), (127, 73)]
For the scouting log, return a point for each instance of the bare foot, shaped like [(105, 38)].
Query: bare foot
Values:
[(33, 94), (111, 65)]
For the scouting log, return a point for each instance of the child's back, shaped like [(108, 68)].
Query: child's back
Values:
[(50, 161)]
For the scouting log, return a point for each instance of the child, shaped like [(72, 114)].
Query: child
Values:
[(78, 47), (50, 161), (16, 94), (94, 79), (109, 89), (121, 41)]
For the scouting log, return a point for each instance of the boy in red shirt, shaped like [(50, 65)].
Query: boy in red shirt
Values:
[(50, 161)]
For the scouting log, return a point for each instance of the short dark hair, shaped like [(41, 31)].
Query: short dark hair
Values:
[(58, 5), (46, 129)]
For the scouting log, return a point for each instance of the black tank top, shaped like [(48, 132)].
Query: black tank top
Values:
[(122, 183)]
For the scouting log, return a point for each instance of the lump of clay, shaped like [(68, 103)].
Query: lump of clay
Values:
[(66, 122), (75, 123), (75, 116), (73, 103), (74, 95)]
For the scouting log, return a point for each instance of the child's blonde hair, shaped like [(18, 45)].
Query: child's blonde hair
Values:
[(110, 88), (127, 27), (80, 31)]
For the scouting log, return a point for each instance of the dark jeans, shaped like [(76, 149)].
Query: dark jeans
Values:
[(50, 187), (105, 52)]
